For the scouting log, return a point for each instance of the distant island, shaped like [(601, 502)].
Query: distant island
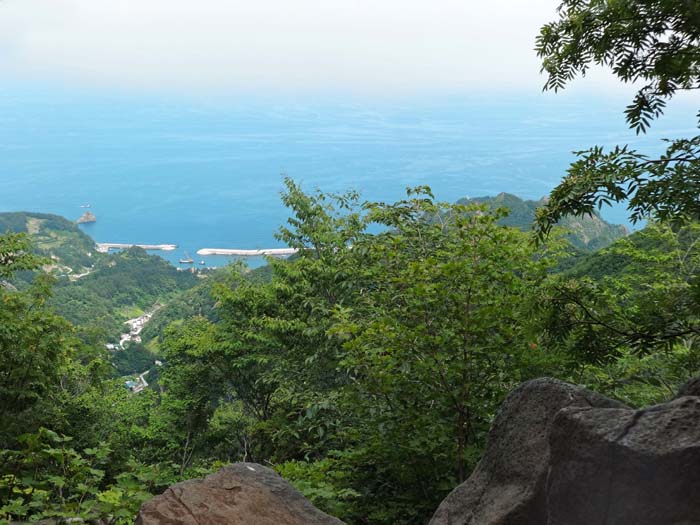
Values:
[(86, 217)]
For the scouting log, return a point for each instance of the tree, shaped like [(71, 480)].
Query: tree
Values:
[(636, 299), (436, 336), (35, 344), (656, 42), (46, 373), (371, 363), (16, 254), (275, 335)]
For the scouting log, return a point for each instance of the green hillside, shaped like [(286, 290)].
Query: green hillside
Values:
[(588, 233), (622, 257), (198, 301), (120, 286), (96, 292), (71, 250)]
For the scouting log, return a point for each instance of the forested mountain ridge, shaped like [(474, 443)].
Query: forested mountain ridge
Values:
[(586, 232)]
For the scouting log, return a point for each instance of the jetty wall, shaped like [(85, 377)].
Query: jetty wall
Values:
[(278, 252), (104, 247)]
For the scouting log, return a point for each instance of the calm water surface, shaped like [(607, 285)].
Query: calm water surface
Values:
[(208, 174)]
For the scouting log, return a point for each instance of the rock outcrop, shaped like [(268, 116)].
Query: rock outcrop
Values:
[(562, 455), (508, 485), (691, 388), (86, 218), (612, 466), (240, 494)]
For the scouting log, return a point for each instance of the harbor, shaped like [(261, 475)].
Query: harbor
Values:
[(186, 262)]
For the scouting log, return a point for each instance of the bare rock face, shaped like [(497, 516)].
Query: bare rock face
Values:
[(508, 486), (240, 494), (691, 388), (561, 455), (613, 466)]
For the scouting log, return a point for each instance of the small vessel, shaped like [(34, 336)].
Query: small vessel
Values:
[(85, 206), (187, 259), (202, 262)]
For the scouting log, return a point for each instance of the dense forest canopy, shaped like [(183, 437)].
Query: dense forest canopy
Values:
[(323, 364)]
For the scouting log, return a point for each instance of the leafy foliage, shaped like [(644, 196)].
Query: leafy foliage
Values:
[(133, 359), (367, 369), (665, 188), (15, 254), (653, 41), (639, 295), (656, 42), (376, 359), (49, 479), (35, 345)]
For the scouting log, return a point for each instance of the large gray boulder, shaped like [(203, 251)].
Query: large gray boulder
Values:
[(508, 486), (560, 455), (611, 466), (240, 494)]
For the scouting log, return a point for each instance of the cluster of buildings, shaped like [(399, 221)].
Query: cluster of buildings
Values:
[(135, 327), (137, 385), (134, 335)]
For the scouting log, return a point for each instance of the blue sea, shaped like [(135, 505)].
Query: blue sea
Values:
[(208, 173)]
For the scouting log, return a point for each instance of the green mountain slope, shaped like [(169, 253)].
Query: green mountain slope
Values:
[(588, 233), (120, 286), (196, 302), (95, 291), (637, 253), (53, 237)]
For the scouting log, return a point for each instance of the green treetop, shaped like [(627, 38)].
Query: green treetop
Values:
[(652, 42)]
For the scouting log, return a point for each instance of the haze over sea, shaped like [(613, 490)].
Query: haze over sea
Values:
[(208, 173)]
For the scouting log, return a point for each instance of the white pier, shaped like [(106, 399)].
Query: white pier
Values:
[(104, 247), (275, 252)]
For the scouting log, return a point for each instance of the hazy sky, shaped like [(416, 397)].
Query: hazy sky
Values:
[(364, 46)]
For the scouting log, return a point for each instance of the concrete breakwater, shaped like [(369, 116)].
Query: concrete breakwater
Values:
[(276, 252), (104, 247)]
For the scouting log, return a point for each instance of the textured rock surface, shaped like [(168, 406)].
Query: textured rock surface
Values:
[(612, 466), (691, 388), (243, 493), (561, 455), (509, 484)]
